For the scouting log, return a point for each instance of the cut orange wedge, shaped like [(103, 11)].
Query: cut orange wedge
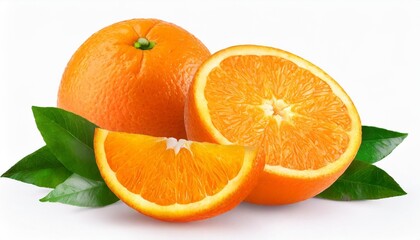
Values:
[(175, 180), (305, 125)]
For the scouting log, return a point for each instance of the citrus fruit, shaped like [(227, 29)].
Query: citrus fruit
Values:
[(305, 125), (175, 180), (133, 76)]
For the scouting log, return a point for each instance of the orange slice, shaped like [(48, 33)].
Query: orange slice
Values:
[(306, 126), (175, 180)]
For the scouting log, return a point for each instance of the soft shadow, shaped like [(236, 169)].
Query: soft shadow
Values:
[(310, 207), (263, 209), (245, 216), (122, 215)]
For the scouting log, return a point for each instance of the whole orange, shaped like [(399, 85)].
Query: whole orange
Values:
[(133, 76)]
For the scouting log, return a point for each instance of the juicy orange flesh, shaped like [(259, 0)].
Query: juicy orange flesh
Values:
[(146, 167), (270, 101)]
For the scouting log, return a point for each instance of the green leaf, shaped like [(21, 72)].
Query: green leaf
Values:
[(378, 143), (70, 138), (83, 192), (41, 168), (362, 181)]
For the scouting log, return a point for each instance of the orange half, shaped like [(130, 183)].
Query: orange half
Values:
[(305, 125), (175, 180)]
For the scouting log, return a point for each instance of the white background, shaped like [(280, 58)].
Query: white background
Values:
[(371, 48)]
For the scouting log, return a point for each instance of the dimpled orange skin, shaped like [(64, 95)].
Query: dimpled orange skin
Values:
[(268, 191), (121, 88)]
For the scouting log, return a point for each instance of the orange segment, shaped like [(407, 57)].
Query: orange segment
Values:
[(175, 180), (305, 125)]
